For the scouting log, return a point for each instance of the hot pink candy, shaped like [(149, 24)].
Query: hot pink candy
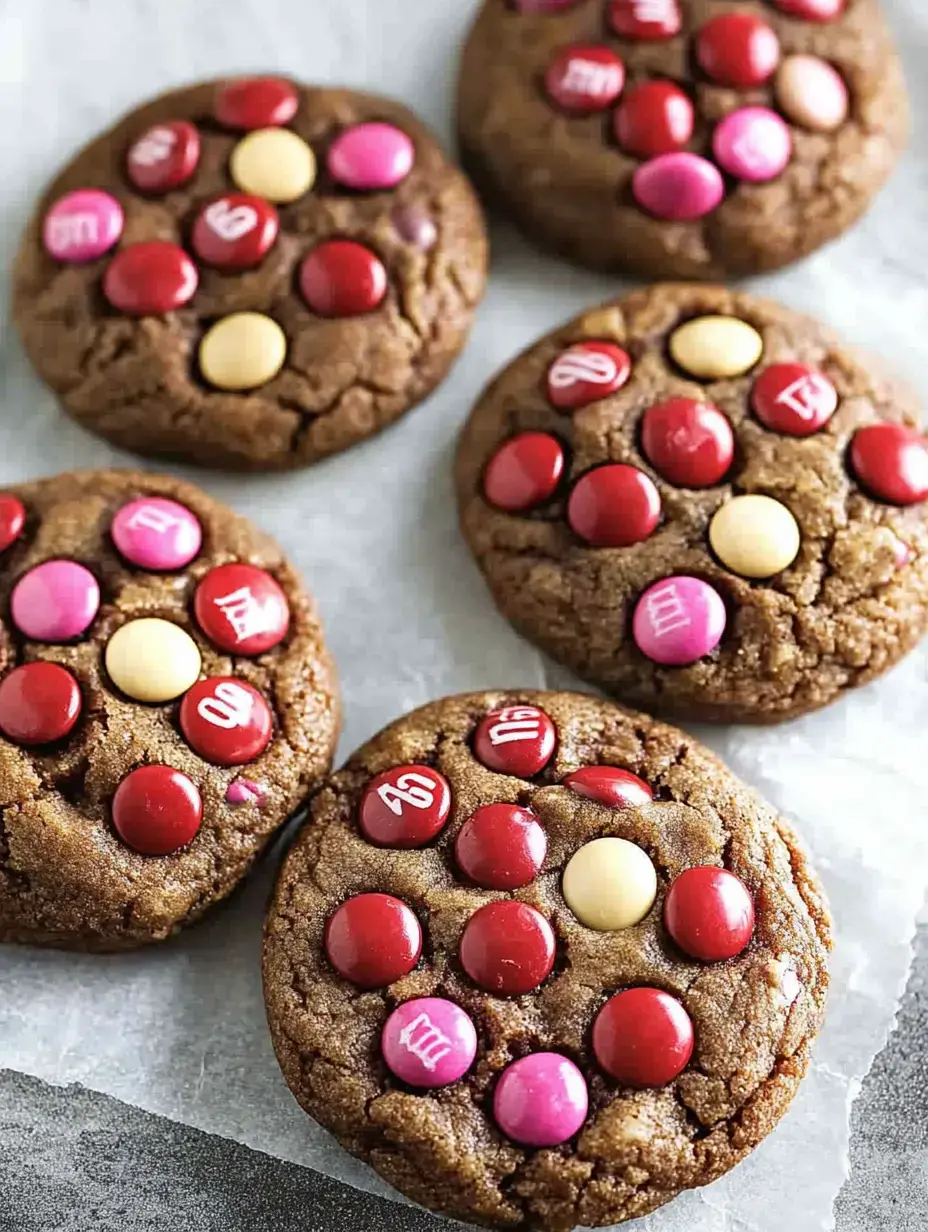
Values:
[(541, 1100), (678, 621), (371, 157), (429, 1042), (82, 225), (55, 602), (753, 144), (678, 187), (157, 534)]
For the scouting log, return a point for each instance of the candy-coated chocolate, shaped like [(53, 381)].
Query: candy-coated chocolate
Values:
[(150, 279), (55, 602), (738, 49), (82, 225), (415, 225), (235, 232), (812, 10), (256, 102), (242, 351), (752, 144), (585, 373), (645, 20), (690, 443), (610, 884), (541, 1100), (157, 810), (373, 940), (342, 278), (584, 77), (518, 740), (164, 156), (544, 6), (246, 791), (902, 552), (709, 913), (273, 163), (716, 348), (227, 721), (156, 534), (39, 703), (610, 785), (405, 807), (654, 117), (754, 536), (508, 948), (371, 157), (793, 399), (152, 660), (501, 847), (524, 472), (643, 1037), (891, 461), (678, 187), (812, 93), (614, 506), (241, 609), (12, 519), (429, 1042), (678, 621)]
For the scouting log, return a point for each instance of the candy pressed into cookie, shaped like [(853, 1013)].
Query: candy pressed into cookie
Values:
[(682, 138), (703, 503), (166, 702), (543, 961), (251, 273)]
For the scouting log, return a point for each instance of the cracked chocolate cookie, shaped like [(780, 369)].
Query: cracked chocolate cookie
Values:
[(543, 961), (703, 503), (166, 701), (682, 138), (251, 274)]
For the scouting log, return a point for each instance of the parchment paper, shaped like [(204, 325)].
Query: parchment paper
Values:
[(180, 1030)]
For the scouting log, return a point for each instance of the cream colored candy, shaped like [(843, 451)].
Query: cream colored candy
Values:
[(754, 536), (610, 884), (242, 351), (812, 93), (714, 348), (152, 660), (273, 163)]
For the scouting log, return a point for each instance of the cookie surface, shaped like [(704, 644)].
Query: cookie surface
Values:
[(166, 702), (251, 274), (525, 991), (681, 138), (703, 503)]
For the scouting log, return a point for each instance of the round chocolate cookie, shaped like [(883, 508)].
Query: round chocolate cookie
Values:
[(251, 273), (702, 503), (166, 701), (543, 961), (682, 138)]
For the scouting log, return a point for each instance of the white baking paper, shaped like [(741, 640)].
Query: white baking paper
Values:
[(180, 1030)]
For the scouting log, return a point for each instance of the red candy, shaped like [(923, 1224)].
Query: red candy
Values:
[(738, 49), (643, 1037), (524, 472), (501, 847), (226, 721), (891, 462), (39, 703), (150, 279), (709, 913), (164, 157), (508, 948), (341, 278), (610, 786), (405, 807), (12, 519), (235, 232), (812, 10), (647, 20), (373, 940), (585, 78), (516, 740), (157, 810), (691, 443), (256, 102), (585, 373), (655, 117), (614, 506), (242, 609), (793, 399)]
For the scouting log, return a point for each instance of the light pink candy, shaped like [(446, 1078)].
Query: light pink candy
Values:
[(429, 1042), (82, 225), (541, 1100), (678, 621), (154, 533), (678, 187), (55, 602), (753, 144), (245, 791), (371, 156)]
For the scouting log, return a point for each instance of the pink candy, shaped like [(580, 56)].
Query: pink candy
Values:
[(157, 534), (55, 602), (544, 6), (429, 1042), (82, 225), (371, 156), (245, 791), (753, 144), (541, 1100), (678, 187), (678, 621)]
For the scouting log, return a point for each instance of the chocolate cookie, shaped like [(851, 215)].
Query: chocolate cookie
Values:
[(543, 961), (703, 503), (682, 138), (251, 274), (166, 701)]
